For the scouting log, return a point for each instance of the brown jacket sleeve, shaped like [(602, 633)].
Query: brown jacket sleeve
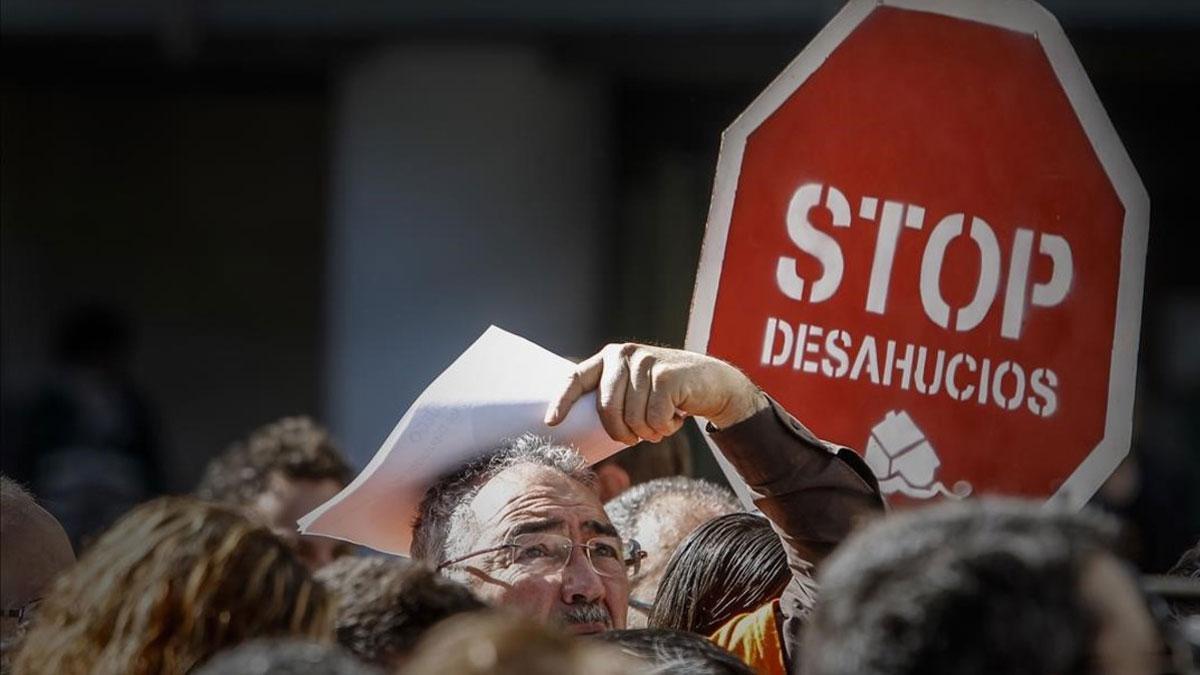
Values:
[(813, 493)]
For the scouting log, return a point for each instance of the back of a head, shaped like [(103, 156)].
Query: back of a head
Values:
[(660, 514), (981, 586), (676, 652), (171, 583), (500, 643), (293, 447), (285, 657), (384, 605), (727, 566)]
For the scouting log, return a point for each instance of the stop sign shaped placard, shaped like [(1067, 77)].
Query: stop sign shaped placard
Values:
[(927, 241)]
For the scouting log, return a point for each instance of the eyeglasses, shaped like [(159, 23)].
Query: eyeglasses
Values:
[(542, 553)]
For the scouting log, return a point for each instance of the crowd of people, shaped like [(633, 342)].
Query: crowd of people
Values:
[(528, 560)]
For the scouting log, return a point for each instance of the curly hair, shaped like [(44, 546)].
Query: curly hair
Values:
[(294, 446), (171, 583), (384, 605)]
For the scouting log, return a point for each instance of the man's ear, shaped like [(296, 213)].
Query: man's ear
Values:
[(611, 481)]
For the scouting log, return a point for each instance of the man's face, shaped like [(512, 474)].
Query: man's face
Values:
[(535, 499), (285, 501)]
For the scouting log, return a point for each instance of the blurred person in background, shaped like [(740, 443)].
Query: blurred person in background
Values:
[(725, 581), (996, 586), (658, 514), (286, 657), (385, 605), (90, 447), (34, 550), (667, 651), (500, 643), (1187, 567), (279, 473), (171, 583), (1184, 606), (642, 463)]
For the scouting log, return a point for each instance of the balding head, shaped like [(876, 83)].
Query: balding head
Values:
[(35, 551), (660, 514)]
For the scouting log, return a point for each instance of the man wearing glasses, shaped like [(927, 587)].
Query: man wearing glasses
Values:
[(525, 528)]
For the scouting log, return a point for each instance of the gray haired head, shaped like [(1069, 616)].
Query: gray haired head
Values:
[(626, 509), (442, 508)]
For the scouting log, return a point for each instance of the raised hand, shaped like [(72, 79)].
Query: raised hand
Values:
[(645, 393)]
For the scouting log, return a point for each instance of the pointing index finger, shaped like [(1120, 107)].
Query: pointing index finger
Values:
[(583, 379)]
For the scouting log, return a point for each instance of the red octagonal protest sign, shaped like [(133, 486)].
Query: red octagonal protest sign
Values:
[(927, 241)]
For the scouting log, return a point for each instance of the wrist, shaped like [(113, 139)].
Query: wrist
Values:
[(742, 404)]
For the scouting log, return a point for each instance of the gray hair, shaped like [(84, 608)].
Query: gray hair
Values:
[(442, 507), (626, 509)]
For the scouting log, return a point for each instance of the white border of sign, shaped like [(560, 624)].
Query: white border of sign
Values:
[(1024, 16)]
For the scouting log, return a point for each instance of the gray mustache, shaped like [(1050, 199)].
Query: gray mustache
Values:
[(587, 613)]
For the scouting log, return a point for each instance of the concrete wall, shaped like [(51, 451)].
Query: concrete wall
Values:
[(469, 188)]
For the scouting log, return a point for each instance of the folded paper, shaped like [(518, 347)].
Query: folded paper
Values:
[(498, 389)]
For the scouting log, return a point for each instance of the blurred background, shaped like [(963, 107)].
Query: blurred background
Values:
[(213, 214)]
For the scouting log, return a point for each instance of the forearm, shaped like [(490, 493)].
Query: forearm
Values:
[(812, 492)]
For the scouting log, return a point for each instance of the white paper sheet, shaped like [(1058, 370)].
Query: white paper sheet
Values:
[(499, 388)]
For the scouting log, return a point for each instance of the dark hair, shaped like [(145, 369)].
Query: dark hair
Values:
[(295, 447), (675, 651), (441, 503), (969, 587), (385, 605), (285, 657), (728, 566)]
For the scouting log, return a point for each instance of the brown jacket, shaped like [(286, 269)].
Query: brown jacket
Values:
[(814, 494)]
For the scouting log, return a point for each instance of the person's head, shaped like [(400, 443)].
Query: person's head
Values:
[(279, 473), (385, 605), (285, 657), (668, 651), (171, 583), (500, 643), (35, 550), (996, 586), (659, 514), (523, 528), (728, 566)]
